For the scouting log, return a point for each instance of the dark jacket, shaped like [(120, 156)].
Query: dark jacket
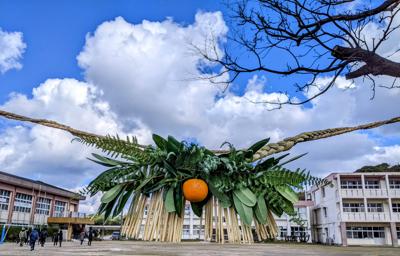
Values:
[(43, 234), (34, 235), (90, 235)]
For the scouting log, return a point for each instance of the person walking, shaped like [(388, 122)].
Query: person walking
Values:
[(28, 235), (22, 237), (55, 238), (43, 237), (60, 237), (82, 236), (90, 236), (32, 238)]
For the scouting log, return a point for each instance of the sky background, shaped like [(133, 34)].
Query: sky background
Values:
[(127, 67)]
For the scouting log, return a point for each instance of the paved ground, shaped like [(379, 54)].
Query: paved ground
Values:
[(116, 248)]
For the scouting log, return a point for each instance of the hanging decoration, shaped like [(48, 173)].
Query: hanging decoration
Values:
[(230, 190), (234, 192)]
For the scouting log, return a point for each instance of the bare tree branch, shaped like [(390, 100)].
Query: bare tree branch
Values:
[(314, 37)]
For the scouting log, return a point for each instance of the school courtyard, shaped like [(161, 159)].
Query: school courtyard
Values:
[(116, 248)]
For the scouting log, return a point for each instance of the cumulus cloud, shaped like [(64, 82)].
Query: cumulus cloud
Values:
[(139, 80), (11, 49), (46, 153), (146, 71)]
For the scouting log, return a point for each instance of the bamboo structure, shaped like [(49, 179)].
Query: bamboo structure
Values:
[(148, 220), (223, 225)]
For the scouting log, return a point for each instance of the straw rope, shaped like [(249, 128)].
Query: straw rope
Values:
[(267, 150)]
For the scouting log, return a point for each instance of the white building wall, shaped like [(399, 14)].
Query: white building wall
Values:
[(327, 228)]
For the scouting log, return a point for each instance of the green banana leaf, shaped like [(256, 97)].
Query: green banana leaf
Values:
[(160, 142), (112, 193), (179, 200), (245, 212), (122, 201), (288, 193), (261, 210), (246, 196), (169, 200)]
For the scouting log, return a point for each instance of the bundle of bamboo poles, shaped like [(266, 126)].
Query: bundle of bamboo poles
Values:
[(156, 224), (267, 231), (222, 225)]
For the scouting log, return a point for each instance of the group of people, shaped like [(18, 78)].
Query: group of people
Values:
[(31, 237), (58, 238), (88, 234)]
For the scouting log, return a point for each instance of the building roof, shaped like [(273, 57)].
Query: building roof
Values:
[(38, 185)]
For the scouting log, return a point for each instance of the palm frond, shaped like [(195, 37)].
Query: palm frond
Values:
[(115, 147)]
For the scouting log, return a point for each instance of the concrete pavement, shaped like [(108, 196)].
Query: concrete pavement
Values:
[(116, 248)]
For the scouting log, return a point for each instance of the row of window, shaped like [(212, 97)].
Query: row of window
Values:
[(369, 184), (297, 231), (4, 199), (43, 206), (371, 207), (365, 232), (23, 203)]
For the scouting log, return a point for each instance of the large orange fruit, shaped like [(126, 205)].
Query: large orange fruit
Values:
[(195, 190)]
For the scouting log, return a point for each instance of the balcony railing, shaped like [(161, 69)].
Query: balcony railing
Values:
[(375, 193), (396, 216), (70, 214), (353, 216), (352, 193), (378, 216), (362, 216), (394, 192)]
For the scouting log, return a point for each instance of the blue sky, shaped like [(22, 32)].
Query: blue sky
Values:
[(85, 67), (55, 32)]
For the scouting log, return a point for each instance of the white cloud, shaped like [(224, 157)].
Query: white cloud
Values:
[(11, 49), (139, 80), (46, 153), (146, 71)]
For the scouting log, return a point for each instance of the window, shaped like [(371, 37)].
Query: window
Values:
[(351, 184), (398, 232), (4, 199), (59, 208), (282, 232), (372, 184), (23, 203), (43, 206), (353, 207), (186, 230), (301, 212), (323, 191), (394, 184), (197, 230), (325, 212), (396, 207), (375, 207), (298, 231), (365, 232), (187, 210)]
